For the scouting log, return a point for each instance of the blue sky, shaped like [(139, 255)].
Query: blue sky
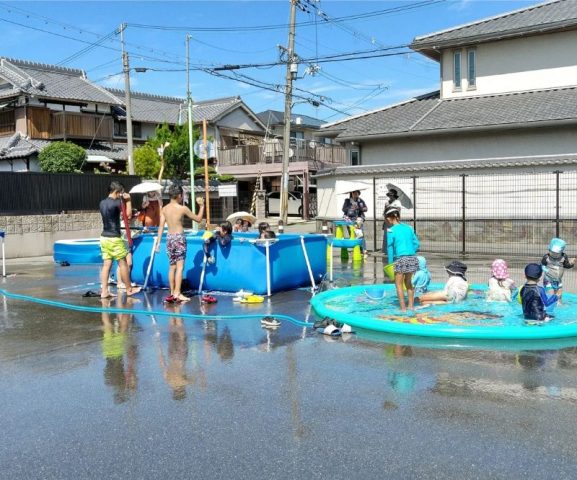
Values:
[(51, 32)]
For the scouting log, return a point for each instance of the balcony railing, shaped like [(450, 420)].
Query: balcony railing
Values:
[(317, 153), (81, 125), (47, 124)]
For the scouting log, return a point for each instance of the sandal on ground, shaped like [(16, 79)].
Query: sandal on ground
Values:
[(90, 293), (331, 330), (208, 299)]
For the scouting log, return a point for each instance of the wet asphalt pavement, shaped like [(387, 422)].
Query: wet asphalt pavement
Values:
[(92, 395)]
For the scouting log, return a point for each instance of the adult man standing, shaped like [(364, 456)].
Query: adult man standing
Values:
[(112, 246), (172, 214)]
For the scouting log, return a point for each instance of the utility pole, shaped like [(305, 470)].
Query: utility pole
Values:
[(127, 101), (291, 71), (190, 122)]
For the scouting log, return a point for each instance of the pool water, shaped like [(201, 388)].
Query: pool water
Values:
[(361, 307)]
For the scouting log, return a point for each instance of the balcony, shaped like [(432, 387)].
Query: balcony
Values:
[(49, 125), (317, 155), (81, 126)]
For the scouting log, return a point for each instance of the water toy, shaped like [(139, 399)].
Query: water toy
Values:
[(345, 243), (252, 299)]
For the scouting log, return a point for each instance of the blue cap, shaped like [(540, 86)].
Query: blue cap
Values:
[(557, 245), (534, 271)]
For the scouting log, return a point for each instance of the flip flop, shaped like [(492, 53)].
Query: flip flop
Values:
[(170, 299), (208, 299), (331, 330), (90, 294)]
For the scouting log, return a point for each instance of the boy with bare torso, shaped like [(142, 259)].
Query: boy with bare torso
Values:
[(172, 215)]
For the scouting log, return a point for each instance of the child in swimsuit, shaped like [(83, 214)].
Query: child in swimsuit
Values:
[(501, 286), (533, 297), (455, 290), (222, 235), (422, 277), (172, 215), (554, 263)]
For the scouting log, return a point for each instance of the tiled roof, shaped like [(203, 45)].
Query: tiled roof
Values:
[(541, 18), (569, 159), (159, 109), (430, 114), (18, 146), (274, 117), (51, 82)]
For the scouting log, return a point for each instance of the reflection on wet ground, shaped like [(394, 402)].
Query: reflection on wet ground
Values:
[(126, 395)]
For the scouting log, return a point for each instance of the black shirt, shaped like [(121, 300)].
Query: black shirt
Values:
[(110, 212)]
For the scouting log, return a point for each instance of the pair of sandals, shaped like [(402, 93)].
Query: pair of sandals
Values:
[(208, 299), (328, 326), (172, 299)]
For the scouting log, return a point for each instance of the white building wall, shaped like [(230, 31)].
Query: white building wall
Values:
[(531, 63), (512, 143), (238, 119)]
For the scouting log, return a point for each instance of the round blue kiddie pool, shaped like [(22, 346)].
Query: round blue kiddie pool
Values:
[(375, 307)]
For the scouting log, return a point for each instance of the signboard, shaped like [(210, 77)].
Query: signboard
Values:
[(227, 190), (199, 149)]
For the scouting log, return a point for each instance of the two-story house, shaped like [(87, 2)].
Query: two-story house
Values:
[(507, 99), (40, 103)]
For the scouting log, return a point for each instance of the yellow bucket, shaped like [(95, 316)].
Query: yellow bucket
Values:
[(389, 270)]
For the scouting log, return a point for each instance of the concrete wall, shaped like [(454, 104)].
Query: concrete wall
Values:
[(34, 235), (509, 143), (531, 63)]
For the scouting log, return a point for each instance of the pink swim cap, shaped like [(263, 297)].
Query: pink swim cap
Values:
[(499, 269)]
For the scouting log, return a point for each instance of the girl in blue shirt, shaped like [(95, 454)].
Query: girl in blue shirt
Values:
[(402, 246)]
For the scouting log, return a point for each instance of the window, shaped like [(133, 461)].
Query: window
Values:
[(120, 129), (298, 135), (471, 68), (457, 69), (355, 156)]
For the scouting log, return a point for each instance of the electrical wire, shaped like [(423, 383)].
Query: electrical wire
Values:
[(88, 48), (284, 26)]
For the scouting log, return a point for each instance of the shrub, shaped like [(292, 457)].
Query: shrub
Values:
[(62, 157), (146, 162)]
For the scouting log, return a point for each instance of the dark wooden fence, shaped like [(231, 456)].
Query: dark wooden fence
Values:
[(48, 193)]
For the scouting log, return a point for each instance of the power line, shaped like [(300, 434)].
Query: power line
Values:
[(283, 26), (88, 48)]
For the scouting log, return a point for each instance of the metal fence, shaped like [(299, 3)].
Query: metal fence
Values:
[(48, 193), (508, 214)]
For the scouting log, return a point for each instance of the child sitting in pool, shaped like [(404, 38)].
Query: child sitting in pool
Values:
[(223, 235), (422, 277), (455, 290), (554, 263), (501, 286), (533, 296)]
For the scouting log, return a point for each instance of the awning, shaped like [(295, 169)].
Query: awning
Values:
[(98, 159)]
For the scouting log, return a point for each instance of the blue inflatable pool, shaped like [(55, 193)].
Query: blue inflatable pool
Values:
[(241, 265), (364, 307), (78, 252)]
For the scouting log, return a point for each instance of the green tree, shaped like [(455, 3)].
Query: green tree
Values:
[(146, 162), (176, 155), (62, 157)]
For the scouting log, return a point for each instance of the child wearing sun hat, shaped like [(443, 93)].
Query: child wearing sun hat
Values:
[(501, 286)]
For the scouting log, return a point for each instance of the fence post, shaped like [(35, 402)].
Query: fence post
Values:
[(415, 204), (463, 219), (557, 220), (374, 214)]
